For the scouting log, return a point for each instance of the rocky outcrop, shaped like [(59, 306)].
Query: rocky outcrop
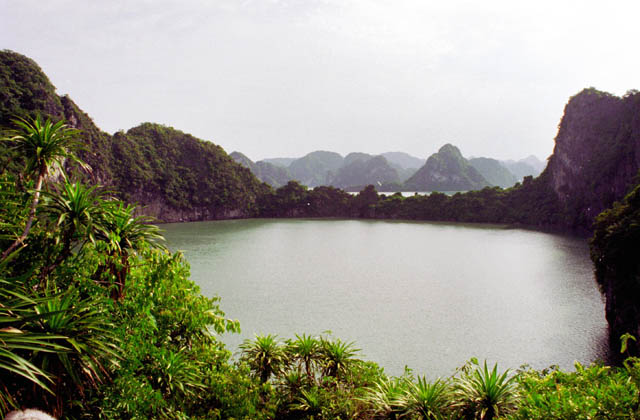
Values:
[(494, 172), (361, 170), (596, 155), (316, 168), (446, 170), (272, 174)]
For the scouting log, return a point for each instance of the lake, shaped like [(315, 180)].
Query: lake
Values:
[(426, 295)]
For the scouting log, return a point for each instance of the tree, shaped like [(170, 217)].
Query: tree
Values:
[(306, 349), (124, 234), (338, 356), (76, 211), (265, 355), (43, 145)]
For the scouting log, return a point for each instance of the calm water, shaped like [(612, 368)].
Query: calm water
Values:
[(426, 295)]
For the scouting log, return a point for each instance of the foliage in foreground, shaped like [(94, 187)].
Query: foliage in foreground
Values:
[(99, 322)]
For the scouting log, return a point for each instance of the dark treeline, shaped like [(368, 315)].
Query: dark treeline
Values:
[(529, 203)]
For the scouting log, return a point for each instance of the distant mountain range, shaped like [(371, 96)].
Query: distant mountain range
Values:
[(446, 170), (174, 176)]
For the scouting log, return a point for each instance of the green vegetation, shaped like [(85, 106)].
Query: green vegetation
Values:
[(360, 171), (170, 174), (595, 159), (187, 173), (615, 247), (531, 203), (315, 168), (274, 175), (446, 170), (98, 320)]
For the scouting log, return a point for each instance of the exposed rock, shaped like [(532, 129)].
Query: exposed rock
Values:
[(596, 155)]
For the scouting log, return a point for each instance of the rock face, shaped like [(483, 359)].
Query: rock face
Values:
[(171, 175), (404, 160), (316, 168), (362, 170), (272, 174), (283, 162), (494, 172), (596, 155), (446, 170)]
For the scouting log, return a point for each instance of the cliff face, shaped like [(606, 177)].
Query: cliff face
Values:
[(596, 155), (171, 175)]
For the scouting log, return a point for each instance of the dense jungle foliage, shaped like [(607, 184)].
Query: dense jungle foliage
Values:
[(99, 321), (615, 247)]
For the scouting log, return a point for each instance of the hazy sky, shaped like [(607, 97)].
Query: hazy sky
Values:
[(286, 77)]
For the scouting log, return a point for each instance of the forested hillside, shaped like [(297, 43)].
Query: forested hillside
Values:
[(173, 176)]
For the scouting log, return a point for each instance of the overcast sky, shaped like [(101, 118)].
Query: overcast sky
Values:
[(286, 77)]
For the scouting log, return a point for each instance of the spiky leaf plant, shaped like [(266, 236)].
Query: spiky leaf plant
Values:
[(265, 355), (338, 355), (427, 400), (483, 394)]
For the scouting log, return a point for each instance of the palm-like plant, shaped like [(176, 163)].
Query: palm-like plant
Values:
[(427, 400), (86, 329), (52, 340), (175, 373), (310, 401), (387, 398), (264, 355), (77, 211), (42, 144), (125, 234), (338, 356), (306, 350), (18, 341), (484, 394)]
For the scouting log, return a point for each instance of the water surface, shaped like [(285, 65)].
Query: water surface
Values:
[(426, 295)]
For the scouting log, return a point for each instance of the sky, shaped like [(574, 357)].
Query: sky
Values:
[(282, 78)]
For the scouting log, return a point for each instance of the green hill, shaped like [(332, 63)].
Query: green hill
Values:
[(315, 168), (363, 170), (173, 175), (274, 175), (446, 170)]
